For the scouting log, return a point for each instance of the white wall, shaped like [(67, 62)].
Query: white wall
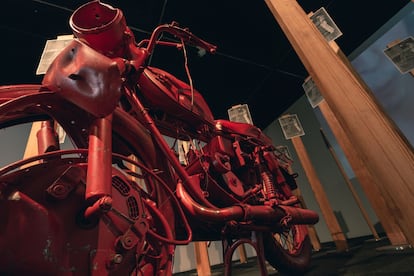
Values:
[(185, 256)]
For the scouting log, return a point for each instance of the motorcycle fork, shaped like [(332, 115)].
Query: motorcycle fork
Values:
[(98, 193), (99, 171)]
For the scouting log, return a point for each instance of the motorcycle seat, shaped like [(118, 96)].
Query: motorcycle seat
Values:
[(243, 129)]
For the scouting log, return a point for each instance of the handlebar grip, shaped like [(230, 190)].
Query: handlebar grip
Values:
[(190, 38), (206, 46), (198, 42)]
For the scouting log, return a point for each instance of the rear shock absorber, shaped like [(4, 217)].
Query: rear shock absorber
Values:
[(267, 177), (268, 187)]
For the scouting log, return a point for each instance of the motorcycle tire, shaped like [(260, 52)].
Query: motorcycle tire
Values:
[(289, 252)]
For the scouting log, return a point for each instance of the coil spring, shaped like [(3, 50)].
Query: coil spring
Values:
[(269, 188)]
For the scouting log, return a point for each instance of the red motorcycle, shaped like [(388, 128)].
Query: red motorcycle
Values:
[(121, 199)]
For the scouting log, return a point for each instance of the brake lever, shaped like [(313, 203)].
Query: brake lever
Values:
[(182, 34), (191, 39)]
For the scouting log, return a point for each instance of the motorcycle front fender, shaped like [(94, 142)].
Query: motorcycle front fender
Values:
[(86, 78)]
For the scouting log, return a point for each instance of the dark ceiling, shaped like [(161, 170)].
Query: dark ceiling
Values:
[(254, 63)]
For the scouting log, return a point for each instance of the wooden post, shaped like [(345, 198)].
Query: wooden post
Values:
[(242, 253), (320, 195), (385, 215), (366, 180), (313, 235), (31, 146), (200, 248), (385, 152), (351, 187), (202, 259)]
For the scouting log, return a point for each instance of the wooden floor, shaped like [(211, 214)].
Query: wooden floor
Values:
[(365, 257)]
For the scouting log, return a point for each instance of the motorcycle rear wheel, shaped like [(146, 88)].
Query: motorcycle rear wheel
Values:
[(289, 251)]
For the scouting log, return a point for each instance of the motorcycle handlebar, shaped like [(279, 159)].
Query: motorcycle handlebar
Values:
[(183, 34)]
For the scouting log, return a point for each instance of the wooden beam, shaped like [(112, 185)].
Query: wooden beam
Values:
[(242, 253), (331, 221), (313, 235), (351, 188), (31, 145), (202, 258), (385, 152), (200, 247), (366, 180)]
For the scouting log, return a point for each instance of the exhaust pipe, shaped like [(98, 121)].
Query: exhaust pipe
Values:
[(247, 212)]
